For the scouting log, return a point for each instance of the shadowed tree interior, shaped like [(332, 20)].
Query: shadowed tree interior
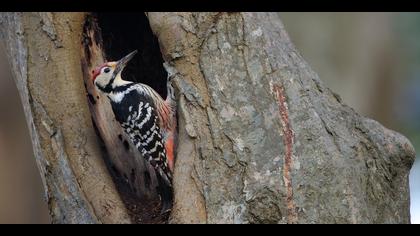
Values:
[(123, 33)]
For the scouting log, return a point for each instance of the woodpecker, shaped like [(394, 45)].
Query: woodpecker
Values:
[(147, 119)]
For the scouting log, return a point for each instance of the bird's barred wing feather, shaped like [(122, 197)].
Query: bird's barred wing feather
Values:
[(143, 129), (164, 110), (139, 117), (167, 118)]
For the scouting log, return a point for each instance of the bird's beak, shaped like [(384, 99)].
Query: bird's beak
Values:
[(124, 61)]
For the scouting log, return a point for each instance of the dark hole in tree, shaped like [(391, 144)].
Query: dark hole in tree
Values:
[(120, 34), (123, 33)]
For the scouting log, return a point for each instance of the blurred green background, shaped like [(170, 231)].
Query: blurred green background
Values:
[(370, 59)]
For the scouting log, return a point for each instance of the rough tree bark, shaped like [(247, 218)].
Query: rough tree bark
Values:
[(44, 52), (261, 139)]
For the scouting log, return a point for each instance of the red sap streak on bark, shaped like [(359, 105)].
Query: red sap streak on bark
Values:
[(288, 143)]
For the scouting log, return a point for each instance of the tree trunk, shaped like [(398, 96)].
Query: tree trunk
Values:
[(260, 138), (44, 52)]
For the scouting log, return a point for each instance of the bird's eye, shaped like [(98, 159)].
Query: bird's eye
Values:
[(107, 70)]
